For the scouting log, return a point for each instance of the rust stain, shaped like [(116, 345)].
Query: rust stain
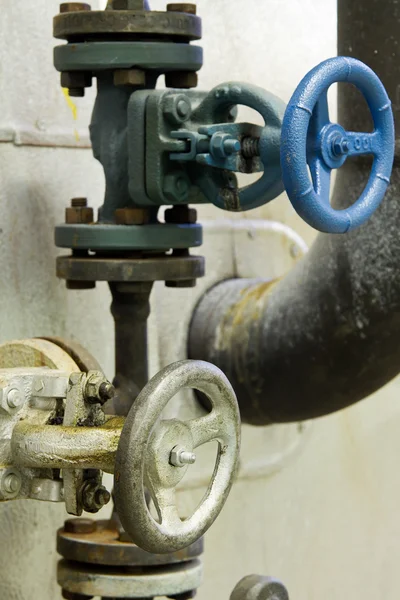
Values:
[(251, 297)]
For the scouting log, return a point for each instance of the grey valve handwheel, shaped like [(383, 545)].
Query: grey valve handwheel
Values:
[(154, 454)]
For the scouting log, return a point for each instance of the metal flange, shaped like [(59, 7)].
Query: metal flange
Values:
[(169, 580), (100, 56), (99, 543), (87, 25), (156, 268), (100, 236)]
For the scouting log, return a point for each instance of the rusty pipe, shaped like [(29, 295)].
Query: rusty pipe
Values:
[(57, 447), (327, 335)]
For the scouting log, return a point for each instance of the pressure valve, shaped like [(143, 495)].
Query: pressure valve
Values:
[(191, 145), (179, 146), (57, 441)]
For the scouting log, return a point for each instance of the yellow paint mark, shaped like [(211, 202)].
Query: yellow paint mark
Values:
[(74, 110)]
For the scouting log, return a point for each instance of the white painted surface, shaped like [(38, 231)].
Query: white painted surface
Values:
[(326, 520)]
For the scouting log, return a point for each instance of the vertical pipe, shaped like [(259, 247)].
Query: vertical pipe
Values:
[(130, 308), (369, 30)]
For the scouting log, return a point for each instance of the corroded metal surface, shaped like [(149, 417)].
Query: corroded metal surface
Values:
[(101, 545)]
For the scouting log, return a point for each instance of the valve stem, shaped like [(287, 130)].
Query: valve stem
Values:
[(250, 147)]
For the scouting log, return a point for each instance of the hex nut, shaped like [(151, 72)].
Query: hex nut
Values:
[(15, 398), (79, 212), (177, 108), (97, 389), (190, 9), (181, 79), (83, 526), (128, 5), (12, 398), (181, 215), (132, 77), (67, 7), (180, 457), (132, 216), (76, 216), (94, 496), (176, 187), (76, 79), (11, 483)]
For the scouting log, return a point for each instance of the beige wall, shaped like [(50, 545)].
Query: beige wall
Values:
[(315, 506)]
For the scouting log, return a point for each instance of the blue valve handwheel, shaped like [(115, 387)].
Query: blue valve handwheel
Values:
[(310, 140)]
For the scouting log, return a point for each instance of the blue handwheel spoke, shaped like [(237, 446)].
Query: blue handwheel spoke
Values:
[(362, 143), (320, 115), (321, 176)]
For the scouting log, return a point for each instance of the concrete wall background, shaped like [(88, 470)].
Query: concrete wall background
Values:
[(325, 518)]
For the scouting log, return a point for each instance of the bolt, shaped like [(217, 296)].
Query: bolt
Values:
[(176, 187), (79, 212), (79, 202), (102, 496), (231, 146), (183, 109), (133, 77), (190, 9), (97, 389), (11, 483), (76, 82), (181, 79), (177, 108), (251, 147), (94, 496), (15, 398), (106, 391), (180, 457), (340, 146), (80, 526), (68, 7)]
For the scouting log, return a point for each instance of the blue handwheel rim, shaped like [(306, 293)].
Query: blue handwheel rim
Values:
[(313, 208)]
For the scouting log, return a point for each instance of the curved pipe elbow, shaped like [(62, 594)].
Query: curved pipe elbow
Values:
[(322, 338)]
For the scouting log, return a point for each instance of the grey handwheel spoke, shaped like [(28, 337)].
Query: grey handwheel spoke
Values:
[(206, 429), (165, 503)]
